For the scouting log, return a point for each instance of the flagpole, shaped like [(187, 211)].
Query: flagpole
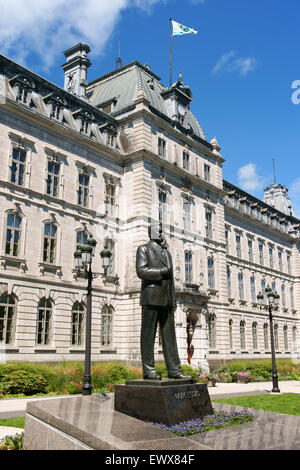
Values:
[(170, 52)]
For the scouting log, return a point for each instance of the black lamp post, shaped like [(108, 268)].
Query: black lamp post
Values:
[(83, 264), (273, 300)]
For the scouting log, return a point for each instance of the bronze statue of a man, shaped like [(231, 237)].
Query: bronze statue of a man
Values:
[(158, 301)]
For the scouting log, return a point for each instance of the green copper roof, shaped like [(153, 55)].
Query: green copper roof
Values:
[(125, 83)]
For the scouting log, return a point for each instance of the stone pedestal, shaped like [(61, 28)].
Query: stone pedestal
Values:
[(164, 401)]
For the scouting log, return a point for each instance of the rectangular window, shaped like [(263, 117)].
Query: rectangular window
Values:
[(187, 215), (288, 260), (211, 273), (238, 246), (110, 201), (13, 234), (49, 245), (56, 111), (83, 189), (226, 241), (261, 254), (53, 178), (186, 161), (188, 267), (271, 259), (280, 261), (208, 228), (241, 286), (206, 172), (252, 288), (162, 206), (250, 250), (161, 148), (283, 295), (292, 298), (228, 282), (17, 174)]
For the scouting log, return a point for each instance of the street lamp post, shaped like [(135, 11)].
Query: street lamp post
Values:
[(273, 300), (83, 265)]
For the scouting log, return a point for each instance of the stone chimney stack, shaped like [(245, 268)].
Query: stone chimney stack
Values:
[(276, 195), (76, 69)]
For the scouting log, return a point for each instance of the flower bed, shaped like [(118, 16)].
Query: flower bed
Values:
[(218, 420)]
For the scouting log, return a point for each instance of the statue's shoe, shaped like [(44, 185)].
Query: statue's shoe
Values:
[(152, 377), (180, 376)]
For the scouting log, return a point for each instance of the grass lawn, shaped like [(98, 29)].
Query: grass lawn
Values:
[(286, 403), (18, 422)]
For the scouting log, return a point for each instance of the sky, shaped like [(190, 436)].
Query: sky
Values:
[(243, 67)]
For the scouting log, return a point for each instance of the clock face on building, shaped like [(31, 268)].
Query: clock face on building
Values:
[(181, 109)]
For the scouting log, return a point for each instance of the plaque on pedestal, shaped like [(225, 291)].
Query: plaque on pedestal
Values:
[(164, 401)]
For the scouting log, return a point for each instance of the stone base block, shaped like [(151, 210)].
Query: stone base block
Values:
[(166, 401)]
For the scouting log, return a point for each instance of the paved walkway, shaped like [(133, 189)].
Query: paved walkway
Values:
[(13, 407)]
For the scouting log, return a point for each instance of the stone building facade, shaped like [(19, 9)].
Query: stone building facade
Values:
[(106, 158)]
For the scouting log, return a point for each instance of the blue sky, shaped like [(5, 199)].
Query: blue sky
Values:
[(241, 67)]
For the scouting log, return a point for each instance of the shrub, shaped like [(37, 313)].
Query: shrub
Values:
[(21, 381)]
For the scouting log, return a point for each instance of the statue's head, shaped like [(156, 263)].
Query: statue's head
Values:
[(155, 232)]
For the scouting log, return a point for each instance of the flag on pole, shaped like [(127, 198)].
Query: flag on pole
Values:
[(179, 29)]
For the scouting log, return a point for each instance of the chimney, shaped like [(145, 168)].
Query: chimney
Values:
[(76, 69)]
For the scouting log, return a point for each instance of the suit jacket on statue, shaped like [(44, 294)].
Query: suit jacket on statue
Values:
[(151, 258)]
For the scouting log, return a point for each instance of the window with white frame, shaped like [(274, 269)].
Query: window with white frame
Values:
[(78, 313), (186, 215), (283, 295), (271, 258), (250, 250), (162, 205), (211, 272), (206, 172), (110, 198), (266, 335), (13, 234), (109, 244), (288, 260), (227, 241), (280, 261), (106, 326), (238, 246), (83, 188), (7, 318), (49, 242), (276, 338), (230, 335), (43, 335), (208, 226), (228, 281), (252, 288), (241, 285), (53, 169), (292, 298), (254, 335), (242, 335), (261, 253), (161, 147), (185, 161), (18, 166), (188, 265), (81, 238), (285, 337)]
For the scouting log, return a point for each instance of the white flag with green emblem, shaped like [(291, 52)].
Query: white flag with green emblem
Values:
[(179, 29)]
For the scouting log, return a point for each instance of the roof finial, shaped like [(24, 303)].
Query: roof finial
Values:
[(274, 170), (119, 60)]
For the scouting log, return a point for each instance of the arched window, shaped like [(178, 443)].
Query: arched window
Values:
[(13, 234), (242, 335), (109, 244), (276, 339), (230, 335), (49, 243), (44, 322), (266, 336), (212, 331), (7, 316), (78, 312), (106, 326), (285, 337), (254, 335)]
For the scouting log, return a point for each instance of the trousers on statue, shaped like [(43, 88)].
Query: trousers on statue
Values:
[(151, 317)]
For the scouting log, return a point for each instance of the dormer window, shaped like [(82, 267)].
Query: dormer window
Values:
[(108, 106), (22, 87), (55, 105), (23, 94), (56, 111)]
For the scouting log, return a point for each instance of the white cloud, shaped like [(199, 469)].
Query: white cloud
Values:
[(48, 27), (229, 62), (248, 178)]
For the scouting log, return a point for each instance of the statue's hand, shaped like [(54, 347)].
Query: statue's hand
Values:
[(166, 273)]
